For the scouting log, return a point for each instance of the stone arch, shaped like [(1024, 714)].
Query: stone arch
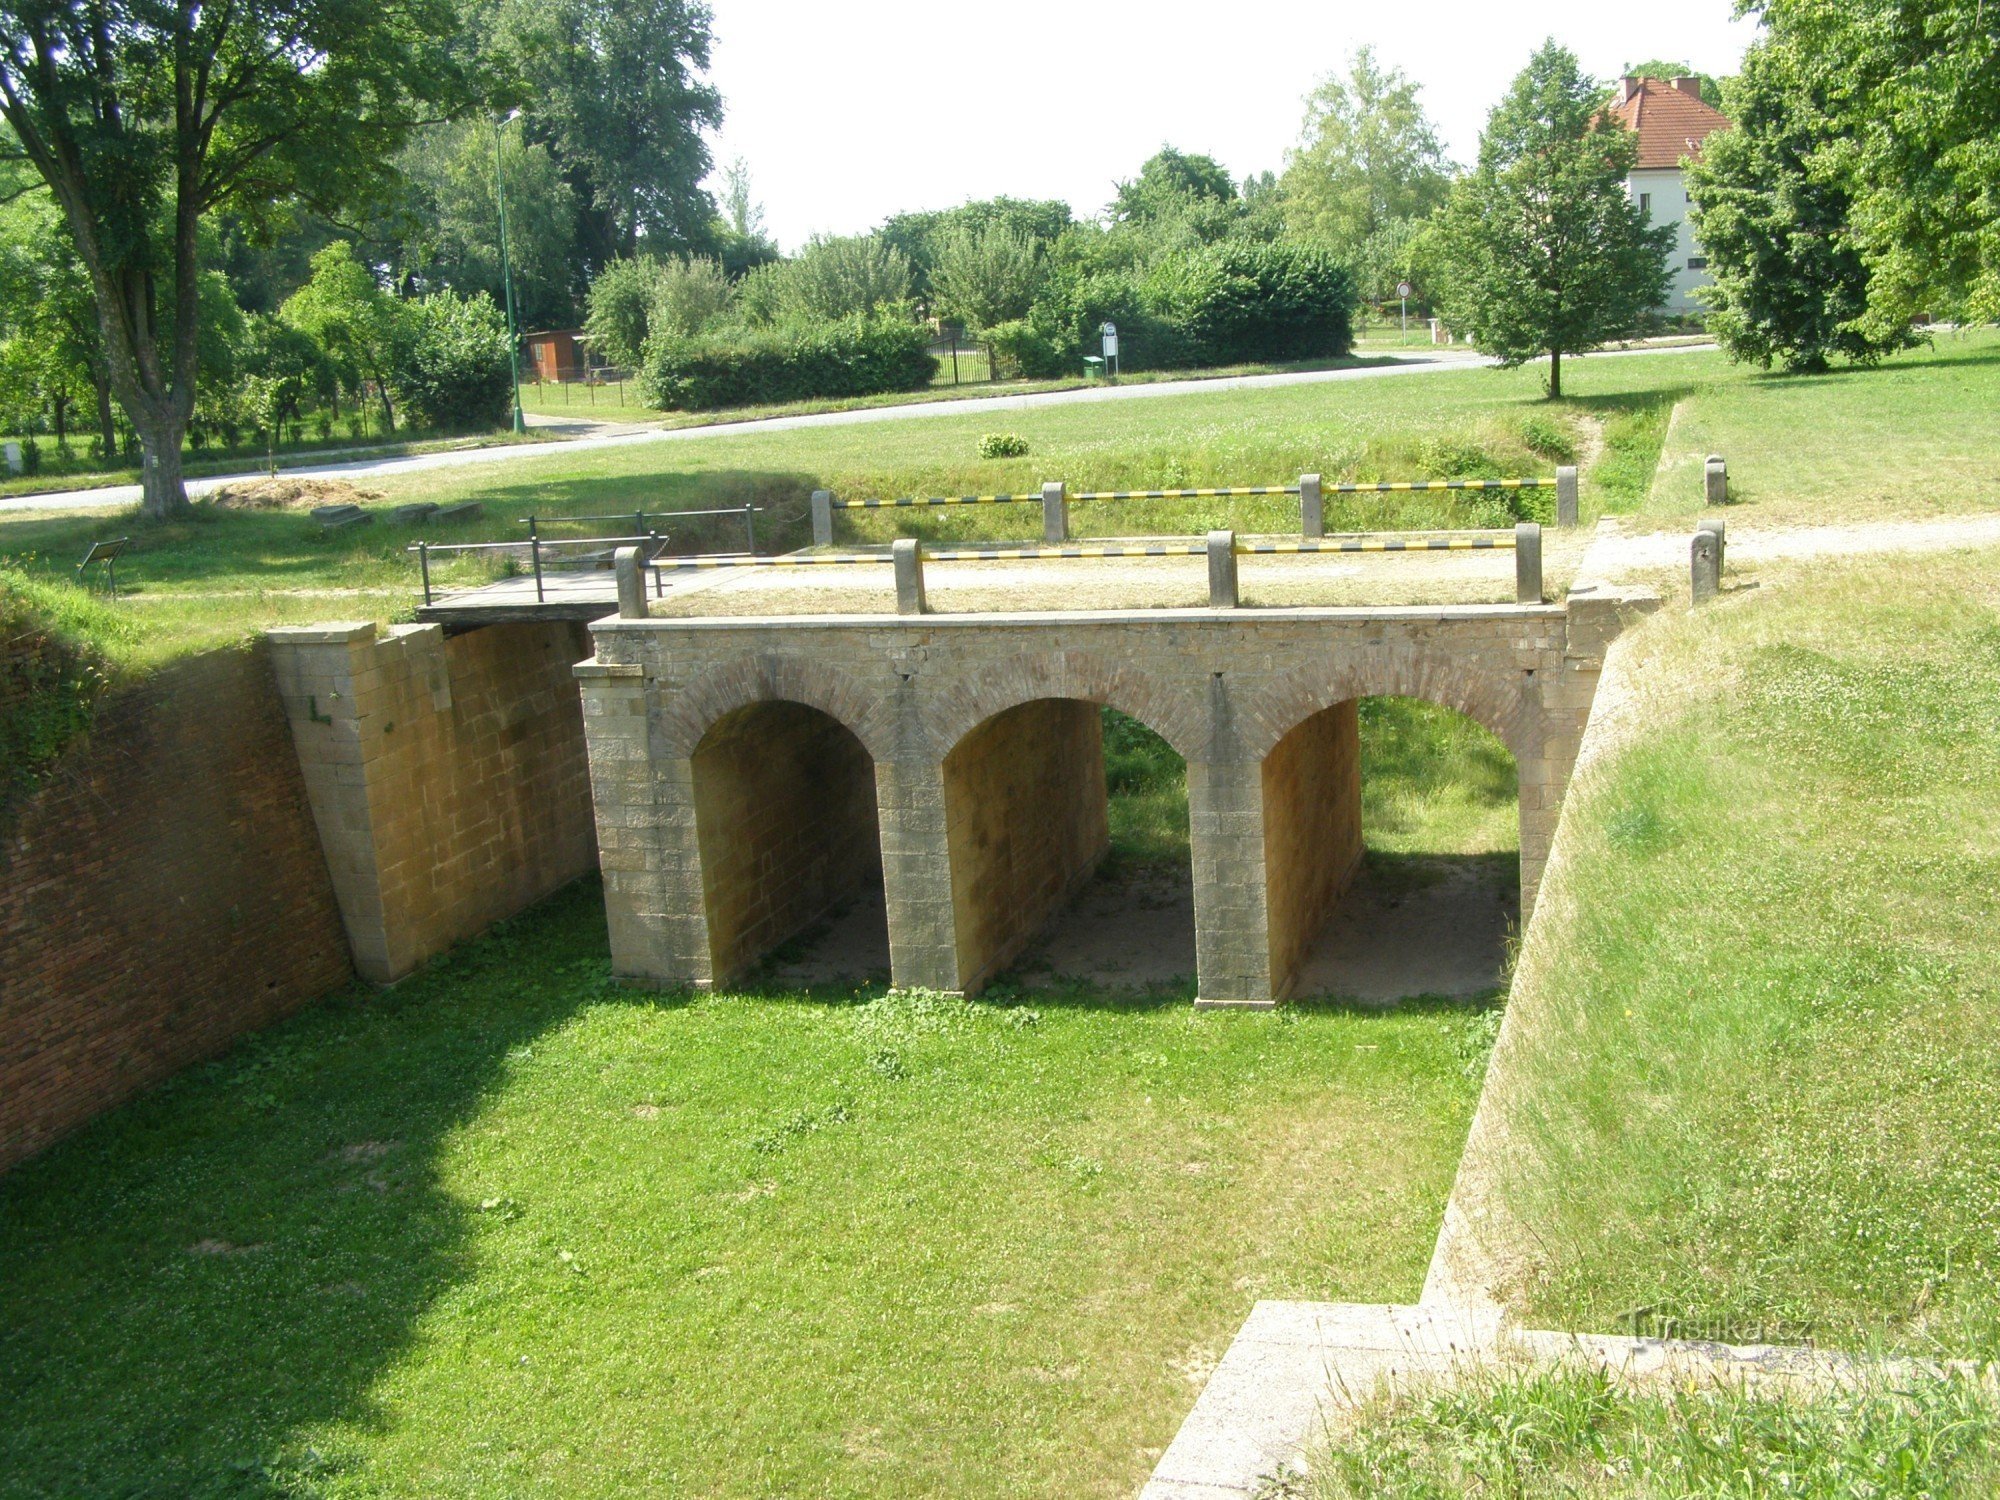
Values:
[(767, 677), (1173, 715), (1454, 680)]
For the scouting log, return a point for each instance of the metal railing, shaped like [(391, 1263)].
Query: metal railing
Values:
[(749, 513), (535, 547)]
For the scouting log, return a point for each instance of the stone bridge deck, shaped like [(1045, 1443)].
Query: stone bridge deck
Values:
[(752, 773)]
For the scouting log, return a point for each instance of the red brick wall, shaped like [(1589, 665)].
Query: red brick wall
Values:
[(161, 894)]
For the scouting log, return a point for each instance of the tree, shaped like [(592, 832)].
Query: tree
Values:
[(143, 117), (452, 369), (1912, 90), (918, 237), (1368, 164), (689, 296), (987, 277), (742, 242), (53, 352), (615, 92), (345, 312), (1167, 181), (1786, 280), (1543, 251), (839, 275), (621, 303), (448, 228)]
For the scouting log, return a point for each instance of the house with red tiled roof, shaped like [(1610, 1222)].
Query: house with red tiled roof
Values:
[(1672, 122)]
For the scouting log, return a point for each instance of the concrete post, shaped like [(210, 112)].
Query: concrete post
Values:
[(822, 509), (1312, 506), (1716, 525), (1705, 565), (909, 559), (1527, 563), (1566, 495), (14, 463), (1055, 513), (631, 584), (1715, 475), (1222, 570)]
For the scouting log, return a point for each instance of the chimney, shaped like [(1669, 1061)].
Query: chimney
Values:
[(1689, 86), (1627, 87)]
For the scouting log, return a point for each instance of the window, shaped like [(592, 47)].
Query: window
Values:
[(1645, 203), (1697, 262)]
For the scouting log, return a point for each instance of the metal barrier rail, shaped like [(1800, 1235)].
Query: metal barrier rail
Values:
[(749, 513), (1498, 541), (924, 500), (1399, 486), (534, 545), (1207, 494), (1221, 548)]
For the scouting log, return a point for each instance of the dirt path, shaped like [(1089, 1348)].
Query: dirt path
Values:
[(1616, 553)]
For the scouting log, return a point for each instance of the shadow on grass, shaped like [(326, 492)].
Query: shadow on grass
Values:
[(237, 1257)]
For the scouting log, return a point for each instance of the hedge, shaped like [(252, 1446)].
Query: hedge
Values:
[(853, 357), (1243, 301)]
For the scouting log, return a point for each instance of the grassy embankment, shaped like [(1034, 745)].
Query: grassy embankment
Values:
[(510, 1227), (1751, 1083), (225, 573)]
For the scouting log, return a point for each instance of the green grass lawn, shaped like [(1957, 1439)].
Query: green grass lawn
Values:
[(1575, 1434), (1793, 447), (508, 1229), (1751, 1087)]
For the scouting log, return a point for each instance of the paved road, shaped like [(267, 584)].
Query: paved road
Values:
[(382, 468)]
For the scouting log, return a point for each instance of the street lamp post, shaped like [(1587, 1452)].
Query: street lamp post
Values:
[(507, 270)]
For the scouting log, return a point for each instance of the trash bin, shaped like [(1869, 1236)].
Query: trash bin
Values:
[(1093, 366)]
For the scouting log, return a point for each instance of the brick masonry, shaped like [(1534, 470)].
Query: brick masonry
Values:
[(161, 894), (447, 777), (1312, 831), (1223, 687)]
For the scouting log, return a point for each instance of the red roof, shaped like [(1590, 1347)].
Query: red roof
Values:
[(1671, 123)]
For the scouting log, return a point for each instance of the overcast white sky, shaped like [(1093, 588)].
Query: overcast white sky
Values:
[(847, 113)]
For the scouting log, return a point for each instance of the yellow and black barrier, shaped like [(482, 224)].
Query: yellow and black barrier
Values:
[(909, 502), (1406, 486), (1230, 492)]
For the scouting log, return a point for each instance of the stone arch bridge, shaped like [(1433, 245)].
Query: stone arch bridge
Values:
[(749, 773)]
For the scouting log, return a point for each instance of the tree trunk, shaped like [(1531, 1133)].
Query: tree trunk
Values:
[(107, 430), (1555, 374), (164, 496), (60, 406)]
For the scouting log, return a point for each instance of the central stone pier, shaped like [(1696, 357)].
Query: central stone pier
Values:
[(751, 775)]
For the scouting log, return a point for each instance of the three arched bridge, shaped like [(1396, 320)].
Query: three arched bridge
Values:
[(749, 775)]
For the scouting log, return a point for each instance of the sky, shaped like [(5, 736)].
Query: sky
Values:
[(847, 113)]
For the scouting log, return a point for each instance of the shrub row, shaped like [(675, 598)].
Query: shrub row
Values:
[(1232, 303), (852, 357)]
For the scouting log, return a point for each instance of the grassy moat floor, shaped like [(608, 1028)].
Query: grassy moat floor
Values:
[(510, 1228)]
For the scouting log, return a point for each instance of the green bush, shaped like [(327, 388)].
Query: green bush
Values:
[(852, 357), (1003, 445), (58, 663), (1022, 351), (1549, 437), (1243, 301), (451, 365)]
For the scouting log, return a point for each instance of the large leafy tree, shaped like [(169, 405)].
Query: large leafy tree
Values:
[(1368, 164), (615, 89), (1912, 94), (448, 228), (1541, 249), (50, 348), (142, 116), (1787, 283)]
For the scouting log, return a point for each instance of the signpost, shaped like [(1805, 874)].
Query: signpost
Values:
[(1110, 331), (1403, 290)]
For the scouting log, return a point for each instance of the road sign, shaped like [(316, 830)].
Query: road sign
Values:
[(1110, 332), (1403, 289)]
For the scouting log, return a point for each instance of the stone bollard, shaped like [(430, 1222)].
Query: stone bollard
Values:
[(628, 566), (1566, 495), (909, 559), (1527, 563), (1715, 476), (1705, 564), (1055, 513), (822, 509), (14, 463), (1312, 506), (1222, 570)]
